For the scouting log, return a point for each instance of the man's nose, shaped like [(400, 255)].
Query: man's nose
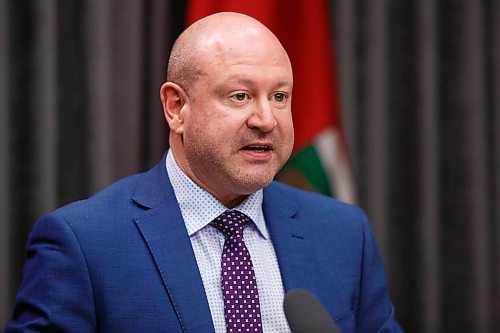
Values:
[(262, 117)]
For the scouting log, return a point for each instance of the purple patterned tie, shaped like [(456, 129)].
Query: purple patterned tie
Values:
[(241, 298)]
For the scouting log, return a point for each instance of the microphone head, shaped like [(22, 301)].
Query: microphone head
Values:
[(306, 314)]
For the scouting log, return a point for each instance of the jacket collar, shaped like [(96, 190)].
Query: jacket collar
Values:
[(291, 237), (153, 187), (164, 231)]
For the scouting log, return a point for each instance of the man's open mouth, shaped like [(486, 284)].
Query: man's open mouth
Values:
[(256, 148)]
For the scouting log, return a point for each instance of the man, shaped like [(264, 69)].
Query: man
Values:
[(154, 252)]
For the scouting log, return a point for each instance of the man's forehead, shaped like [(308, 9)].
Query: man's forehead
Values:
[(222, 36), (242, 52), (225, 46)]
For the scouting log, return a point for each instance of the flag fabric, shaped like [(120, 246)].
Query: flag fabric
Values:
[(320, 160)]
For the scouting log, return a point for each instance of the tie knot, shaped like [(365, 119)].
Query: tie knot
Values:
[(231, 223)]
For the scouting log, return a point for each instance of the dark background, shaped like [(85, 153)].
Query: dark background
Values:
[(420, 88)]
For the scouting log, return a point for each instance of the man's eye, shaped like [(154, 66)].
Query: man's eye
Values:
[(279, 97), (240, 96)]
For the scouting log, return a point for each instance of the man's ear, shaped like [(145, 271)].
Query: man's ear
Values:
[(173, 98)]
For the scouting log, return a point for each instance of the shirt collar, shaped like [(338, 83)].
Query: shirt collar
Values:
[(199, 208)]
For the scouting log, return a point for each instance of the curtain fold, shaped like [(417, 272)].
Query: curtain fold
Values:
[(5, 223), (429, 232), (420, 93), (494, 120)]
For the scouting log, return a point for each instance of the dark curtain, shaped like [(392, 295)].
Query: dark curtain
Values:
[(421, 105), (420, 86)]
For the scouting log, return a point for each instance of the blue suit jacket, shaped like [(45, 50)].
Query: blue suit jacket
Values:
[(121, 261)]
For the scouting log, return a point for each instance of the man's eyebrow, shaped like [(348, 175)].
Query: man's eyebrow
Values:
[(246, 82), (284, 84), (251, 83)]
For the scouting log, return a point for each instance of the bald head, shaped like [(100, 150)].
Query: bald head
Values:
[(217, 35)]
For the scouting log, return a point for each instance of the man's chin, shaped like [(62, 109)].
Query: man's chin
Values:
[(253, 183)]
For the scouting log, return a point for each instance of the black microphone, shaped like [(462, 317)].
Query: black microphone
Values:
[(305, 314)]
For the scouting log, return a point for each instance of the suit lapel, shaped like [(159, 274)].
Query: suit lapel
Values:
[(165, 233), (293, 245)]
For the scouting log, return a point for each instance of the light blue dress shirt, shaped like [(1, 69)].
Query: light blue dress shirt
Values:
[(198, 209)]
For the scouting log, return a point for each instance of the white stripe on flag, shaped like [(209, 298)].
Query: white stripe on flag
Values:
[(333, 155)]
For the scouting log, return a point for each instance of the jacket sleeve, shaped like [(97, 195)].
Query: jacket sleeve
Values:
[(375, 310), (56, 292)]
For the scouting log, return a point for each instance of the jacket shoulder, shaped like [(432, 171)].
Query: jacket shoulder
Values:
[(118, 194), (306, 199)]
